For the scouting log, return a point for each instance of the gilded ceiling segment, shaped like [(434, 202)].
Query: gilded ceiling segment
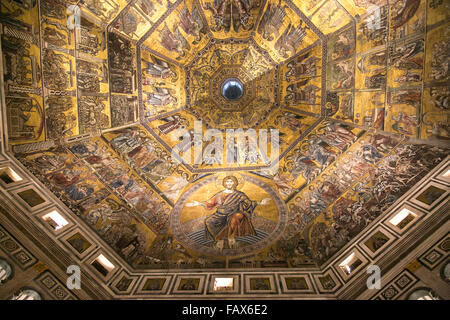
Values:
[(312, 155), (302, 81), (308, 7), (73, 96), (371, 64), (352, 191), (90, 177), (181, 34), (291, 124), (378, 74), (210, 68), (123, 69), (235, 18), (281, 32), (22, 74), (93, 181), (162, 84), (153, 163), (376, 190), (435, 107), (330, 17), (240, 60), (138, 16), (106, 11)]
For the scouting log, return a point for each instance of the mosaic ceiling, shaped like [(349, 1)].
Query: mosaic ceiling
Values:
[(99, 94)]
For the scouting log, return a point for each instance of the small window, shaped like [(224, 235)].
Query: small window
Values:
[(55, 220), (350, 264), (8, 176), (103, 265), (445, 274), (403, 218), (223, 284), (27, 294), (423, 294), (5, 271)]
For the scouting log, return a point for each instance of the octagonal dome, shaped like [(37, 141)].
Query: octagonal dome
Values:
[(99, 115)]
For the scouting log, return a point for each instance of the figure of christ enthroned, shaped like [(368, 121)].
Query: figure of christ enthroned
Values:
[(232, 218)]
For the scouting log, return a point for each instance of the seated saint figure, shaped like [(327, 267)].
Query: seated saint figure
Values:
[(232, 217)]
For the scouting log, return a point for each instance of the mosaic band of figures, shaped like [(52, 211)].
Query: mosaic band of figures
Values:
[(424, 205), (134, 201), (384, 63)]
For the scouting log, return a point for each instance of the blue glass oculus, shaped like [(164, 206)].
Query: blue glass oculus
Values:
[(232, 89)]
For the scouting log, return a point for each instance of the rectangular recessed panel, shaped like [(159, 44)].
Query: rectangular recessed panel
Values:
[(296, 283), (260, 284), (154, 284), (189, 284), (79, 243), (430, 195), (376, 241), (31, 197)]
